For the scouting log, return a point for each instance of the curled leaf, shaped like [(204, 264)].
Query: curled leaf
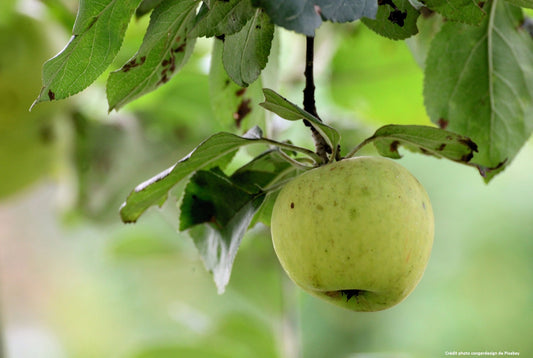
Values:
[(425, 139)]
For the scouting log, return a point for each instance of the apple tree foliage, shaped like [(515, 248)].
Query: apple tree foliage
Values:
[(478, 91)]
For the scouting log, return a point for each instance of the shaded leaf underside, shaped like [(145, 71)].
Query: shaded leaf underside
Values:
[(304, 16), (218, 246)]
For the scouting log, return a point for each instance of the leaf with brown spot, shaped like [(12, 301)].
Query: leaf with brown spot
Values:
[(227, 97), (484, 90), (442, 123), (396, 19), (90, 50), (242, 111), (223, 18), (166, 48), (425, 139)]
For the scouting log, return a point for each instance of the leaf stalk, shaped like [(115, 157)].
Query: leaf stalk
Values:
[(317, 159)]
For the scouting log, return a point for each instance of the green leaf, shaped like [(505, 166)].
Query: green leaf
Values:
[(522, 3), (296, 15), (218, 245), (211, 197), (262, 171), (154, 191), (396, 19), (467, 11), (146, 6), (264, 214), (427, 140), (288, 110), (233, 106), (345, 10), (223, 18), (165, 49), (246, 53), (479, 83), (97, 36), (305, 16), (266, 170), (419, 45)]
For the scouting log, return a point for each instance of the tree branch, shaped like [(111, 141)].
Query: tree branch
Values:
[(322, 147), (309, 90)]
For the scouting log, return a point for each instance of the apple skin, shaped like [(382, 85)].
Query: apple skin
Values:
[(357, 232)]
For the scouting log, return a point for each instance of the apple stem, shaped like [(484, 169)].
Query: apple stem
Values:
[(322, 147)]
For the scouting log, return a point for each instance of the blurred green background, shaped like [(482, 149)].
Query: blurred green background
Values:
[(76, 282)]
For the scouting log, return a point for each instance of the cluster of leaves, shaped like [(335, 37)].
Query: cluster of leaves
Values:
[(219, 208), (478, 82), (478, 70)]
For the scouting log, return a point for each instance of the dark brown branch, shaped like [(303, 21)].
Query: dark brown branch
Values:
[(309, 90), (322, 147)]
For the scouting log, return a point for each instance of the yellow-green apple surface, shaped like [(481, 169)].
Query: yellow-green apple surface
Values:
[(357, 232)]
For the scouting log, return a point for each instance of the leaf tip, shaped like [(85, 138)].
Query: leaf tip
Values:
[(39, 99), (34, 104), (221, 287), (489, 172), (124, 216)]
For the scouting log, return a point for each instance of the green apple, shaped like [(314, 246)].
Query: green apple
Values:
[(357, 232)]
